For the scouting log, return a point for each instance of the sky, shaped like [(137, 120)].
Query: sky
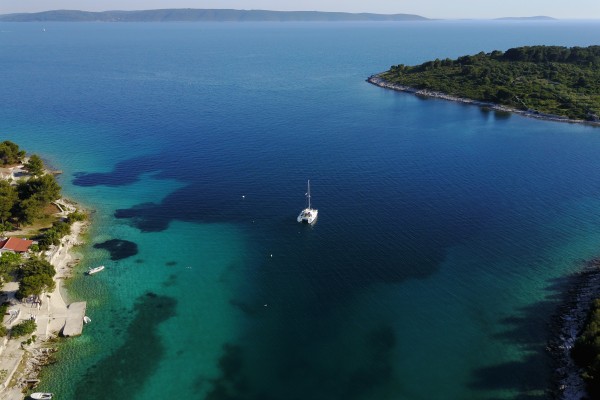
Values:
[(447, 9)]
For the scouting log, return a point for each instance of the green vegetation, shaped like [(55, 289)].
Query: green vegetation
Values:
[(8, 200), (545, 79), (10, 153), (23, 202), (33, 195), (9, 263), (4, 307), (52, 236), (76, 216), (35, 277), (23, 328), (58, 230), (35, 165), (586, 351)]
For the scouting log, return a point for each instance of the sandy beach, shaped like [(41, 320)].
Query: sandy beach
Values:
[(19, 364)]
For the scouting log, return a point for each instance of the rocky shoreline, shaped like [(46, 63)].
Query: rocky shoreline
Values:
[(24, 361), (377, 80), (568, 321), (582, 288)]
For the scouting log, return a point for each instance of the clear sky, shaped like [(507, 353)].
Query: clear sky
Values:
[(565, 9)]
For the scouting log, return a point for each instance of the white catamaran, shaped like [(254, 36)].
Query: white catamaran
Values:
[(308, 215)]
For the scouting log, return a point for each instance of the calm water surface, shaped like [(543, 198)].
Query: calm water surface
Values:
[(444, 231)]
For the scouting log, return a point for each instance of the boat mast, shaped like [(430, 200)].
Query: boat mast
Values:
[(309, 194)]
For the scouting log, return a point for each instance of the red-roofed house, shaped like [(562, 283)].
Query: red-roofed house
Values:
[(15, 245)]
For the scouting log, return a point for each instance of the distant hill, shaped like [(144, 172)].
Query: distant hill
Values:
[(536, 18), (188, 14)]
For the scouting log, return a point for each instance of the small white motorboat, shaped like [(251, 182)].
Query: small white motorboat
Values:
[(87, 320), (92, 271), (41, 396)]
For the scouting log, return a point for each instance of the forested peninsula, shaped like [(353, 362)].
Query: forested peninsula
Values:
[(551, 82)]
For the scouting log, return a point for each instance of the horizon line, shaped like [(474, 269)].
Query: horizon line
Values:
[(548, 17)]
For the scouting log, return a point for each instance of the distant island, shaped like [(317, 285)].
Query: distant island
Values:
[(534, 18), (191, 15), (549, 82)]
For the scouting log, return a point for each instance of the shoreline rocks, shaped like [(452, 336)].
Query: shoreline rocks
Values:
[(571, 315), (377, 80), (580, 290)]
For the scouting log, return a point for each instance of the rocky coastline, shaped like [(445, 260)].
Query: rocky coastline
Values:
[(581, 288), (377, 80), (22, 361), (568, 321)]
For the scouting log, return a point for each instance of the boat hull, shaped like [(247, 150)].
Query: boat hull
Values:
[(308, 216), (93, 271), (41, 396)]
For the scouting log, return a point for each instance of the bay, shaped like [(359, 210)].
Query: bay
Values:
[(444, 231)]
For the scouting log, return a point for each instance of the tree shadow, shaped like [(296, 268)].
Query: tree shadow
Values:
[(531, 329)]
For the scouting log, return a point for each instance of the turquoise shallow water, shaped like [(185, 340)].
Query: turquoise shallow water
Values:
[(443, 233)]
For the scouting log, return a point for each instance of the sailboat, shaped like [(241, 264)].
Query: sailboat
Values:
[(308, 215)]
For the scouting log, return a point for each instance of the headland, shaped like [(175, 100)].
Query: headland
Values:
[(545, 82)]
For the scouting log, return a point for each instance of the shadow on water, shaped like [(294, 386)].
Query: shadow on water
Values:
[(531, 376), (301, 377), (375, 251), (124, 173), (124, 373), (301, 345), (119, 249)]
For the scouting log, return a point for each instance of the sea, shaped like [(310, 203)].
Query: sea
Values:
[(445, 231)]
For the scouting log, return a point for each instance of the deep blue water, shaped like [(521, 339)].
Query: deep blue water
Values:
[(444, 230)]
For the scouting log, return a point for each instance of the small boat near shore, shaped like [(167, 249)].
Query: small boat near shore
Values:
[(41, 396), (92, 271), (87, 320)]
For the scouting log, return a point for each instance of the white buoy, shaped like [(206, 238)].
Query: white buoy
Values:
[(243, 197)]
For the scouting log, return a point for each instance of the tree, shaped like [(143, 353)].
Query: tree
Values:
[(10, 153), (35, 165), (34, 194), (36, 277), (5, 227), (34, 285), (51, 237), (8, 199), (24, 328), (28, 210), (9, 262), (44, 188), (37, 266)]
